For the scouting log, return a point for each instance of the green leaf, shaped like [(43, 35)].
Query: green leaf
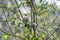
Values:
[(37, 9), (34, 38), (12, 5), (11, 18), (41, 0), (21, 4)]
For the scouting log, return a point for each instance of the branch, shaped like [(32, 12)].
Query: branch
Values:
[(42, 12), (7, 21), (54, 19), (10, 34), (33, 14), (18, 9)]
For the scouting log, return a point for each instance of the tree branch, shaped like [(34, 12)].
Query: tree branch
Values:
[(10, 34), (33, 14), (18, 9), (54, 19), (6, 19)]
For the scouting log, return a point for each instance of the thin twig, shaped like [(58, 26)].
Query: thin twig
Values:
[(6, 19), (33, 13), (18, 9), (54, 19), (7, 22), (53, 22), (10, 34)]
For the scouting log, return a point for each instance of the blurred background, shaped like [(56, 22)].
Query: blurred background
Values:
[(29, 19)]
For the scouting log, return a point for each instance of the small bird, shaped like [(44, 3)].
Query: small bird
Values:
[(26, 20)]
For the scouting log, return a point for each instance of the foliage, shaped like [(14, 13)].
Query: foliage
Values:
[(39, 26)]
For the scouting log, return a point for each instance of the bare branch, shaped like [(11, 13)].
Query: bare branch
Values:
[(33, 13), (10, 34), (18, 9), (7, 21), (54, 19)]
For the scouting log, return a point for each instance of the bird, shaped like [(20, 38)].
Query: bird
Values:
[(25, 20)]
